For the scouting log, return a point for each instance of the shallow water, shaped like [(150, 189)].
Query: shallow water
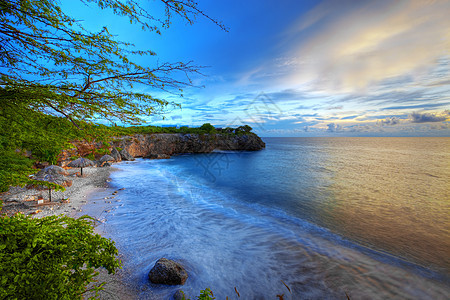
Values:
[(364, 216)]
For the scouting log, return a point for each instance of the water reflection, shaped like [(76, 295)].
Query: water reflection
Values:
[(396, 199)]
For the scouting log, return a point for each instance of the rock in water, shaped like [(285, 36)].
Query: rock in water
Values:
[(125, 155), (168, 271)]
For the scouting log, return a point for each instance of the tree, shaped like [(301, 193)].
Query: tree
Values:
[(207, 127), (51, 258), (244, 128), (51, 64)]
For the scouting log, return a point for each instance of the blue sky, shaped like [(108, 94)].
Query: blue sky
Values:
[(306, 68)]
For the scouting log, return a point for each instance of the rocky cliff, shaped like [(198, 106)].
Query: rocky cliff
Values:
[(164, 145)]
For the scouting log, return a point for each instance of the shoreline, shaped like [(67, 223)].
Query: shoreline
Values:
[(68, 203)]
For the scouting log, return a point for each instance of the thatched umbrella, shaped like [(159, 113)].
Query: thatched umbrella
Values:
[(53, 178), (81, 163)]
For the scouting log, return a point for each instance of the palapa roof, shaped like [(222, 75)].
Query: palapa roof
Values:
[(81, 163)]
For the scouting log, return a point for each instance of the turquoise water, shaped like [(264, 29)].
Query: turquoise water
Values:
[(369, 217)]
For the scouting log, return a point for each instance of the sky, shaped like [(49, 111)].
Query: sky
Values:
[(304, 68)]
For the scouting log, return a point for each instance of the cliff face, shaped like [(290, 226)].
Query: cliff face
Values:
[(164, 145), (169, 144)]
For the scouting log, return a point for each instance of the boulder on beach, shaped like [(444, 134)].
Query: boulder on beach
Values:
[(116, 154), (106, 158), (125, 155), (169, 272)]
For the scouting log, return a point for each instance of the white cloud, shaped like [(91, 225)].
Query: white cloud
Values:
[(356, 48)]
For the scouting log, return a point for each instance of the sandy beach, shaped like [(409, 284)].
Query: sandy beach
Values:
[(68, 203), (88, 189)]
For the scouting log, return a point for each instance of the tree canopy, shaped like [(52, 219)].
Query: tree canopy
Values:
[(52, 64)]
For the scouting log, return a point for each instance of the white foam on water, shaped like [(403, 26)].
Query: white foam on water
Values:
[(225, 243)]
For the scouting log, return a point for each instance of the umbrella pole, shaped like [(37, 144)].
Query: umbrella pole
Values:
[(81, 171), (50, 193)]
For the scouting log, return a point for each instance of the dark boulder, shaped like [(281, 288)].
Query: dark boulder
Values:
[(125, 155), (168, 272), (106, 158), (116, 154)]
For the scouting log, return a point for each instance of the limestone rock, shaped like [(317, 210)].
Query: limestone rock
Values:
[(106, 158), (157, 145), (158, 156), (168, 272), (116, 154), (125, 155)]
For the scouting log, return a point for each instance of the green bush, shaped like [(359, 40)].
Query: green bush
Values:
[(51, 258), (205, 294), (208, 128), (14, 170), (243, 129), (102, 151)]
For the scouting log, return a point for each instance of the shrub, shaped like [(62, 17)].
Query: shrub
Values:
[(102, 151), (14, 170), (207, 127), (51, 258), (244, 128)]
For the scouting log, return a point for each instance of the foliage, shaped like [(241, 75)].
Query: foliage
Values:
[(14, 170), (45, 136), (207, 127), (206, 294), (51, 64), (244, 128), (51, 258)]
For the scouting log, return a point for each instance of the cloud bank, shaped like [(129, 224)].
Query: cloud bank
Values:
[(368, 42)]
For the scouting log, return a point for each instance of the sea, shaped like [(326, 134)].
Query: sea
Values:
[(305, 218)]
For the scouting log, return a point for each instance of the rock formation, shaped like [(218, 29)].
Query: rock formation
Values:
[(116, 154), (163, 145), (168, 271), (125, 155)]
